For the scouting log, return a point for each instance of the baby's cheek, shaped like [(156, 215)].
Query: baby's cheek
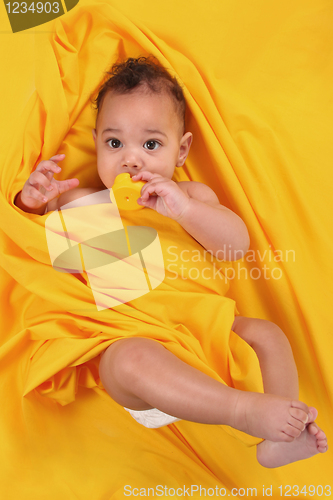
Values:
[(107, 178)]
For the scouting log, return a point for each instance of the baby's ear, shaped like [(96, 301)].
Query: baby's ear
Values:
[(185, 144), (94, 135)]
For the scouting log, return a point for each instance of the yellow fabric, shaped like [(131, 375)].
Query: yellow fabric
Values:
[(187, 312), (257, 78)]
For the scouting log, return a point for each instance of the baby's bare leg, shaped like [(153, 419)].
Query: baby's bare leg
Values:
[(279, 377), (274, 353), (140, 374)]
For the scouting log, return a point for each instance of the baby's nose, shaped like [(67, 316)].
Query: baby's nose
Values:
[(132, 160)]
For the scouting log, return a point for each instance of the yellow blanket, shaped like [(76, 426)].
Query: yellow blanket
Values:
[(257, 81)]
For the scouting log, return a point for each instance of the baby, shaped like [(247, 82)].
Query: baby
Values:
[(140, 130)]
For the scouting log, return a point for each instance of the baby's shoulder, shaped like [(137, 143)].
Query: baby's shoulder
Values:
[(199, 191), (68, 197)]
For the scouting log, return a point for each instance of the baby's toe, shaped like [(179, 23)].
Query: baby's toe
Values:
[(297, 419), (292, 431), (300, 412), (322, 446), (314, 430), (313, 414), (298, 424), (320, 435)]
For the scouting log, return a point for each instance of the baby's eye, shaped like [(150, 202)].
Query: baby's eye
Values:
[(114, 143), (151, 145)]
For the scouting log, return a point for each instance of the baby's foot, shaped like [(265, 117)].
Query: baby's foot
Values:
[(310, 442), (270, 417)]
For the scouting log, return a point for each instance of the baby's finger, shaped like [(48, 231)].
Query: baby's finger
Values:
[(38, 179), (58, 157), (48, 166), (144, 176), (157, 185), (66, 185), (148, 189), (31, 192), (51, 163), (49, 175)]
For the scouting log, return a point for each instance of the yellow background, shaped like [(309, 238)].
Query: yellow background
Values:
[(258, 81)]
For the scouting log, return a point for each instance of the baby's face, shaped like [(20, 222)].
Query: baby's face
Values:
[(139, 131)]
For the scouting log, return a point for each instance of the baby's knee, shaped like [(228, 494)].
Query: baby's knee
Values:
[(124, 359), (259, 332), (272, 333), (120, 368), (272, 338)]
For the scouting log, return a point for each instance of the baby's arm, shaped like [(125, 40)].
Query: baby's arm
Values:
[(40, 191), (213, 225), (197, 209)]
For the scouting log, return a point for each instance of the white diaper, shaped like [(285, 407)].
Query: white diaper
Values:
[(152, 418)]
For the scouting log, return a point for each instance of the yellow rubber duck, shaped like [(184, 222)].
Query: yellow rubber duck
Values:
[(126, 192)]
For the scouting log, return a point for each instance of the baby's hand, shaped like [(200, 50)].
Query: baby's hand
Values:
[(162, 194), (41, 187)]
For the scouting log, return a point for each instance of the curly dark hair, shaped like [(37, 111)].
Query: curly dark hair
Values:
[(143, 71)]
